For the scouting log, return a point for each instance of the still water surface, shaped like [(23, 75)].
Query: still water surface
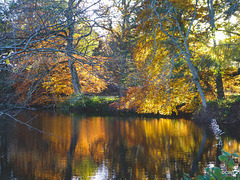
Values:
[(84, 147)]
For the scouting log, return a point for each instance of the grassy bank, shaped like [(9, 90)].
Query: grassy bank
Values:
[(97, 105), (90, 104)]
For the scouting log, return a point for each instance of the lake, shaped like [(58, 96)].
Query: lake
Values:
[(77, 146)]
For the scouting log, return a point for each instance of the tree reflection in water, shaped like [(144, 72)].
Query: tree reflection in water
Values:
[(109, 148), (199, 154), (71, 151)]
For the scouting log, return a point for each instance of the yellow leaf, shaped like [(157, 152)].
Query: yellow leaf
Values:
[(7, 61)]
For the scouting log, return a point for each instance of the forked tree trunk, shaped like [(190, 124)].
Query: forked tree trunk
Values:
[(70, 47)]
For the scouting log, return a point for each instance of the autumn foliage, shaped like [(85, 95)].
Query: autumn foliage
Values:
[(165, 83), (46, 79), (163, 56)]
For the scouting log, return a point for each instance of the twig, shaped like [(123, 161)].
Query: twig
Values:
[(31, 127)]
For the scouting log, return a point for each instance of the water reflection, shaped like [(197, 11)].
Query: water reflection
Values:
[(105, 148)]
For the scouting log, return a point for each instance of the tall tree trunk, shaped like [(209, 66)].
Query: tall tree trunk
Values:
[(122, 50), (196, 81), (70, 48), (74, 75), (219, 82)]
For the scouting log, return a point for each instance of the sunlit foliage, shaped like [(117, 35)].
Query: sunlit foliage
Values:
[(165, 83), (46, 78)]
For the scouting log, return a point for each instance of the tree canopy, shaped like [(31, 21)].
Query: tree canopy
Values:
[(161, 56)]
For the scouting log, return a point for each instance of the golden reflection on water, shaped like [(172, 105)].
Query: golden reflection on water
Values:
[(109, 147)]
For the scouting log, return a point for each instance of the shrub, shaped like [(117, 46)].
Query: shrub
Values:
[(225, 172)]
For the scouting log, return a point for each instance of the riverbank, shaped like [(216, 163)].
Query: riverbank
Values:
[(226, 111), (108, 105)]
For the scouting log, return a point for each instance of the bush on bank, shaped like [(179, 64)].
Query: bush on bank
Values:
[(228, 170)]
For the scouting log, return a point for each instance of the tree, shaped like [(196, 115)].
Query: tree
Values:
[(173, 15), (165, 55), (46, 79), (217, 11), (119, 41), (52, 28), (211, 14), (171, 49)]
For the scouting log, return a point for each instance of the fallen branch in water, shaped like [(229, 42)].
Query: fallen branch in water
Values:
[(2, 113)]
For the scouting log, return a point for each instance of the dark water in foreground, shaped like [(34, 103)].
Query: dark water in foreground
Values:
[(83, 147)]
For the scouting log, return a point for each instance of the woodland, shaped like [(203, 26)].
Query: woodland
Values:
[(152, 56)]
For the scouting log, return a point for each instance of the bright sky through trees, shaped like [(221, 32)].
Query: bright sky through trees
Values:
[(220, 35)]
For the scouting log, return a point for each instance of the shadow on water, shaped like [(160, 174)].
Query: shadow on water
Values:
[(4, 139), (106, 147)]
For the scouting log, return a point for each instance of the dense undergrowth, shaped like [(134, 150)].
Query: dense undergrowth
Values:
[(226, 111)]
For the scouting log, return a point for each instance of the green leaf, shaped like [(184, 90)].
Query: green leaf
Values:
[(222, 158), (235, 155), (218, 172), (231, 163), (226, 153), (207, 170)]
